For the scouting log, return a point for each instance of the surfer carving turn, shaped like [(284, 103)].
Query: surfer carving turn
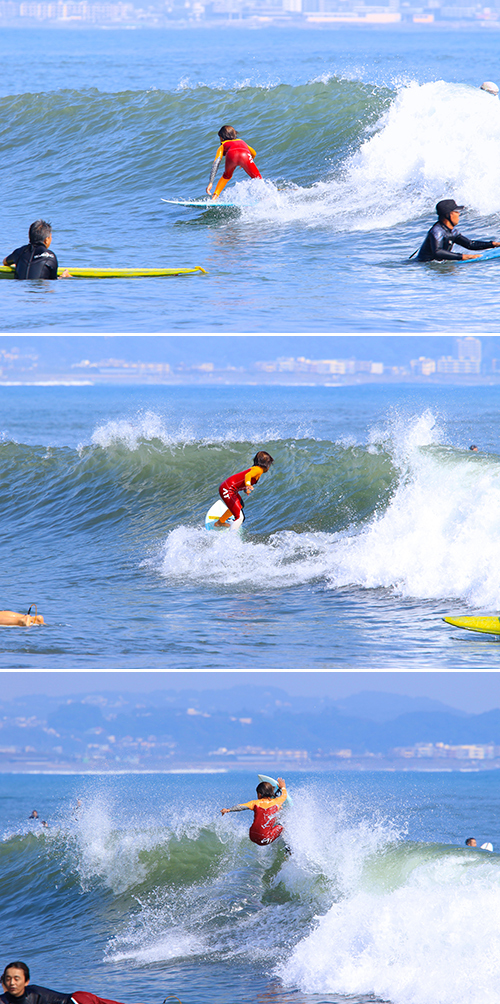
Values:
[(265, 828), (244, 481)]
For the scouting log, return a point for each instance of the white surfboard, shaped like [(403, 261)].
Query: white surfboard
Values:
[(214, 513), (208, 204), (273, 781)]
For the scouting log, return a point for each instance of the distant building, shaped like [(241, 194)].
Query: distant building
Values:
[(463, 367), (469, 358), (423, 366), (469, 348)]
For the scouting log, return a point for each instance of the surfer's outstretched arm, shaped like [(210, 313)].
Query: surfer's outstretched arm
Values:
[(235, 808), (213, 172)]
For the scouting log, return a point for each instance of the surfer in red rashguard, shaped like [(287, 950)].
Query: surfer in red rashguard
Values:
[(244, 481), (265, 827), (237, 154)]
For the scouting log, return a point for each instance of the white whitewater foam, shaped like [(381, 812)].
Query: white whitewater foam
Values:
[(434, 938), (436, 140)]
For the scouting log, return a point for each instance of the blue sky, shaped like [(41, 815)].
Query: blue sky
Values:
[(472, 692)]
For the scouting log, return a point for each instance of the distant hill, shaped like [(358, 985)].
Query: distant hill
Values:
[(193, 725), (380, 707)]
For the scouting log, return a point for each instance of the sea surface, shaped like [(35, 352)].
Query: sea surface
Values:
[(145, 892), (358, 134), (374, 522)]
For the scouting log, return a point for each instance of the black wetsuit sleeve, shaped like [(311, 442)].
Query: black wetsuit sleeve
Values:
[(472, 245), (42, 995), (11, 260)]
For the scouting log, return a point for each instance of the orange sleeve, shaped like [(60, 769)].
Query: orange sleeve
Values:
[(251, 151), (253, 472)]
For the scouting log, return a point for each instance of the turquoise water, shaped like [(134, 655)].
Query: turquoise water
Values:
[(353, 139), (374, 522), (146, 891)]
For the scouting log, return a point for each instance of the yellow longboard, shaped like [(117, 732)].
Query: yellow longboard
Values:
[(8, 272), (486, 625)]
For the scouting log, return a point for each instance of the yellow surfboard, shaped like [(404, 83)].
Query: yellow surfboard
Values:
[(486, 625), (8, 272)]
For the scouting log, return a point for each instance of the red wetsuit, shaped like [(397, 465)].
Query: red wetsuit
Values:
[(237, 154), (265, 829), (229, 489)]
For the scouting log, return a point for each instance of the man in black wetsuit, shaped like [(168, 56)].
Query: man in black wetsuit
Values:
[(19, 990), (444, 234), (34, 260)]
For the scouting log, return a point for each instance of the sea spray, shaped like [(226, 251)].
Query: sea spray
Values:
[(425, 939)]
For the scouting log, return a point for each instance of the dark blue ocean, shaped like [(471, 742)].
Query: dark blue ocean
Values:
[(145, 892), (374, 522), (358, 134)]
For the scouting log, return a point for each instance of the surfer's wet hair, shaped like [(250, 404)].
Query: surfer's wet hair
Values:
[(39, 231), (15, 965), (227, 132), (263, 459), (265, 790)]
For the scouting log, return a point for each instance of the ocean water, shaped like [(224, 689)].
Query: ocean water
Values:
[(145, 892), (374, 522), (358, 134)]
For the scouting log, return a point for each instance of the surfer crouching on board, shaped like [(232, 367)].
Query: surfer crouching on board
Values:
[(265, 828), (444, 234), (19, 990), (244, 481), (237, 154), (34, 260)]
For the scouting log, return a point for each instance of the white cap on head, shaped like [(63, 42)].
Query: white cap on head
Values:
[(487, 847), (490, 87)]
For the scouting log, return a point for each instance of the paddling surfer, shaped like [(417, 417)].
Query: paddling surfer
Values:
[(444, 234)]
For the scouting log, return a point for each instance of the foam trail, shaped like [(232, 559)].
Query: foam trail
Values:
[(411, 159)]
